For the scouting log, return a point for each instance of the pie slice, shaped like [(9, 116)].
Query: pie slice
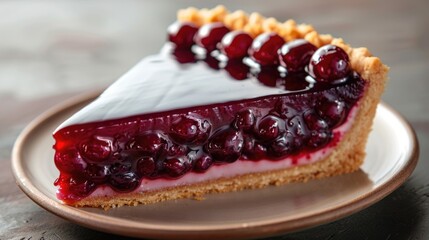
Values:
[(231, 102)]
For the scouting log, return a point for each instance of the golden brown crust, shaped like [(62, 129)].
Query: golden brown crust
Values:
[(349, 153)]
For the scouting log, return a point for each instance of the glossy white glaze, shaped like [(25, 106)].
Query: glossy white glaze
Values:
[(158, 83)]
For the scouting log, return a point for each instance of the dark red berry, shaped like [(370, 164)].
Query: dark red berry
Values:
[(333, 112), (329, 63), (98, 173), (150, 144), (124, 181), (269, 76), (282, 146), (182, 34), (120, 166), (69, 162), (253, 149), (244, 120), (225, 145), (184, 56), (209, 35), (190, 130), (80, 187), (96, 149), (146, 166), (203, 163), (319, 139), (235, 44), (176, 167), (264, 48), (295, 55), (212, 62), (237, 69), (269, 128), (177, 150), (314, 121)]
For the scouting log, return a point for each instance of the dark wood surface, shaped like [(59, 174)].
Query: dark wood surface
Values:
[(52, 50)]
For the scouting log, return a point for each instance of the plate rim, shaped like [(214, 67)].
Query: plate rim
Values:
[(260, 229)]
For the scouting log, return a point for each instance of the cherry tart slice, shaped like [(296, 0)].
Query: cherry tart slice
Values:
[(226, 105)]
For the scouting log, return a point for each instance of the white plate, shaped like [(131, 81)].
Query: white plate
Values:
[(392, 154)]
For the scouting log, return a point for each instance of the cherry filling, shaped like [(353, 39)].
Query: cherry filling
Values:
[(120, 153)]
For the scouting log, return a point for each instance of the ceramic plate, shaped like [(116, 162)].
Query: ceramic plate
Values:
[(392, 153)]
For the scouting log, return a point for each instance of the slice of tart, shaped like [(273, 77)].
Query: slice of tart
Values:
[(233, 101)]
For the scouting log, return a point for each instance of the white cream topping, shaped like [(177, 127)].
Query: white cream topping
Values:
[(158, 83)]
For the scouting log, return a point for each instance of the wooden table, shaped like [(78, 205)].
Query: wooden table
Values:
[(52, 50)]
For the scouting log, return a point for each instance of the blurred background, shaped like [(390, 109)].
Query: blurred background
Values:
[(52, 47), (52, 50)]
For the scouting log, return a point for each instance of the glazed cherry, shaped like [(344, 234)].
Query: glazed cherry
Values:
[(96, 149), (177, 150), (329, 64), (269, 128), (244, 120), (314, 121), (235, 44), (182, 34), (120, 166), (69, 162), (80, 186), (253, 149), (264, 48), (150, 144), (190, 130), (333, 112), (225, 145), (295, 55), (124, 181), (202, 163), (237, 69), (146, 166), (319, 139), (175, 167), (209, 35), (98, 173), (282, 146)]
